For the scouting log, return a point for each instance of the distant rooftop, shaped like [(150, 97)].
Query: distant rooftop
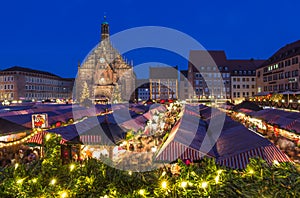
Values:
[(24, 69), (218, 58), (283, 53), (244, 64), (163, 72), (207, 58)]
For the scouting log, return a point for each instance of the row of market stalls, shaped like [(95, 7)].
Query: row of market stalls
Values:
[(88, 128), (192, 133), (233, 146), (280, 122)]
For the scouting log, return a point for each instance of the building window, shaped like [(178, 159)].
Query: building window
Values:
[(270, 88), (258, 74), (270, 78), (287, 74)]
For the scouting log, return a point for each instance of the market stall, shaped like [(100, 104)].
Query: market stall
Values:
[(234, 147)]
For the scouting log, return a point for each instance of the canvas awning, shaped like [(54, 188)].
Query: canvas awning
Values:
[(38, 138), (233, 148)]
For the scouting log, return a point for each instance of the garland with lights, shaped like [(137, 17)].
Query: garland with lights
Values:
[(48, 177)]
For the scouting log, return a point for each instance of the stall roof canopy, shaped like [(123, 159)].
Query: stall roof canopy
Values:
[(108, 133), (285, 119), (10, 127), (247, 105), (234, 141)]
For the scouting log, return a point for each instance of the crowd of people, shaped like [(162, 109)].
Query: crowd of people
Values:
[(289, 147), (18, 154)]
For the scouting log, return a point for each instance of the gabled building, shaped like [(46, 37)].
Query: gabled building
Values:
[(142, 90), (20, 83), (281, 71), (163, 83), (209, 75), (243, 78), (184, 85), (104, 74), (213, 76)]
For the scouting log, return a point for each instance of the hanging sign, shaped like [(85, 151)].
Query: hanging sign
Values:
[(40, 121)]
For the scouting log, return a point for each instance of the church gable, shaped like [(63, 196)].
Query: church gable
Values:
[(105, 69)]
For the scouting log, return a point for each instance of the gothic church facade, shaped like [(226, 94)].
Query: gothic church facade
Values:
[(104, 74)]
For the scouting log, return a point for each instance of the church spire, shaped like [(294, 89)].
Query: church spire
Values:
[(104, 29)]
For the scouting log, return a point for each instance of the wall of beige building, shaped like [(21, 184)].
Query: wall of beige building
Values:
[(279, 76), (242, 87), (17, 85)]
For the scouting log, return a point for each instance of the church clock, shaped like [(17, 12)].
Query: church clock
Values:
[(102, 60)]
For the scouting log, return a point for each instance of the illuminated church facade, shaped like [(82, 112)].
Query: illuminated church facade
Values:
[(104, 74)]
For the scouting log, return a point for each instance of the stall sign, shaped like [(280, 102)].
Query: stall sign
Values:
[(39, 121)]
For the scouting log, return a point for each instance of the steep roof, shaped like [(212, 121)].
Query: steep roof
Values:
[(207, 58), (8, 127), (247, 105), (164, 72), (288, 51), (24, 69), (244, 64)]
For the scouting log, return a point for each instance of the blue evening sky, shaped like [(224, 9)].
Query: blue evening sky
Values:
[(54, 35)]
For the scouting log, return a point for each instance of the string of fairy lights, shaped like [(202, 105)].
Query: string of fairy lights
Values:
[(194, 181), (35, 131)]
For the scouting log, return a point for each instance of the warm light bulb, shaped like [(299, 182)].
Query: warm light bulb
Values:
[(34, 180), (183, 184), (16, 165), (72, 167), (275, 162), (251, 171), (163, 173), (142, 192), (64, 194), (53, 181), (20, 181), (204, 184), (164, 184), (130, 173), (217, 179), (219, 172), (48, 136)]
